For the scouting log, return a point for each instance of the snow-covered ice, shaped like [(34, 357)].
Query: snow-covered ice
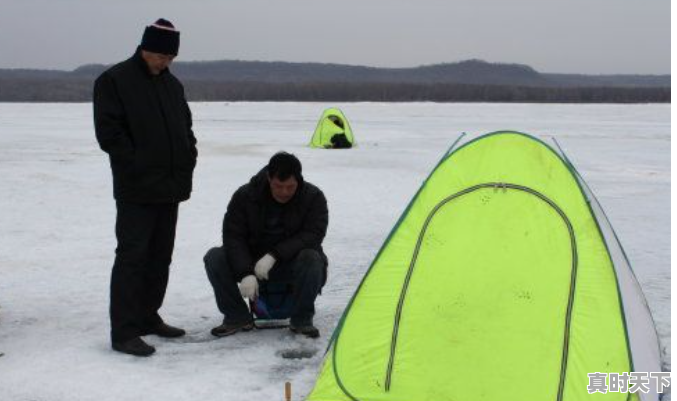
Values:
[(57, 240)]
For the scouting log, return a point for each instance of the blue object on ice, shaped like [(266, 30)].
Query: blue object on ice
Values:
[(274, 301)]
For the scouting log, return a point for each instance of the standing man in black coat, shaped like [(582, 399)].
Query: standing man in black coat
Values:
[(272, 231), (143, 122)]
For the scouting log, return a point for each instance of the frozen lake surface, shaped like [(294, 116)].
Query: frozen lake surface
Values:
[(57, 239)]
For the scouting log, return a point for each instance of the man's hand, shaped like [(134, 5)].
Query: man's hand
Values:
[(249, 287), (263, 266)]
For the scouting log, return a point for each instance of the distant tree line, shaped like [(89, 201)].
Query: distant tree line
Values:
[(45, 90), (401, 92), (80, 90)]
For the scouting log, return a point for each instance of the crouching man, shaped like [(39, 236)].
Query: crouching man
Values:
[(272, 231)]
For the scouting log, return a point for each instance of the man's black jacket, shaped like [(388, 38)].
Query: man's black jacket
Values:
[(144, 123), (304, 217)]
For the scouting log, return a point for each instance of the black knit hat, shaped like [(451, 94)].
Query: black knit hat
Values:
[(161, 37)]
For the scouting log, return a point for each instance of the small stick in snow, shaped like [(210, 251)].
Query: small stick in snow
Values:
[(287, 391)]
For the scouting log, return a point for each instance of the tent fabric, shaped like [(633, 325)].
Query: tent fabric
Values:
[(496, 283), (641, 328), (327, 127)]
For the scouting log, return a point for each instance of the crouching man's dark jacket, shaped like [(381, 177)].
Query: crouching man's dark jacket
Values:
[(304, 220), (144, 124)]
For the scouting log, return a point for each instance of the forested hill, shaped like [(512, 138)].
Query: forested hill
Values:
[(472, 80)]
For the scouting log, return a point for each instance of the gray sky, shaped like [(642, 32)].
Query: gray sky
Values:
[(573, 36)]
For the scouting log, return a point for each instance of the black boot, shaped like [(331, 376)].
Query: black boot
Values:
[(166, 331), (227, 329), (308, 330), (136, 346)]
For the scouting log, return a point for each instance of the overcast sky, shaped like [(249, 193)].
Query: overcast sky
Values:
[(572, 36)]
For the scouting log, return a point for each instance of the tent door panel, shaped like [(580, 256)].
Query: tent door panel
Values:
[(487, 300)]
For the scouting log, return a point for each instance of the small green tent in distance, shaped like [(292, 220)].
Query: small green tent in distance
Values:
[(333, 122), (502, 280)]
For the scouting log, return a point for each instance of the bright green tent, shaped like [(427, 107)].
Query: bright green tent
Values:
[(330, 125), (502, 280)]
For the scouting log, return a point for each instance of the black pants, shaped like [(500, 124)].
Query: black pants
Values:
[(145, 234), (305, 271)]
